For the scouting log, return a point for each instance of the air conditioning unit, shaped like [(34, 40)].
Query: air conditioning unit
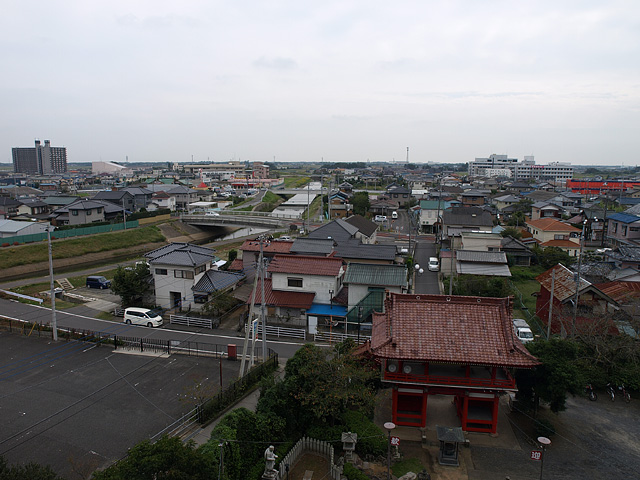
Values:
[(406, 368), (392, 367)]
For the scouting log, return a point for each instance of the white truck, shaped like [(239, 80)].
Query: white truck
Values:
[(522, 330)]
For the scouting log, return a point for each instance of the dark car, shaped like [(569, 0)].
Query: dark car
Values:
[(96, 281)]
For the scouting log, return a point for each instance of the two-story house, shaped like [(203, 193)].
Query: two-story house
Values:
[(623, 228), (80, 212), (176, 269)]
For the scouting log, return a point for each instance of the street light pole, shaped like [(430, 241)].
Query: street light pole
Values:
[(389, 426), (54, 323), (545, 442), (575, 298)]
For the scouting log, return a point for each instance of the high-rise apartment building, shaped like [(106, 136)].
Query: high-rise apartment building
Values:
[(40, 160)]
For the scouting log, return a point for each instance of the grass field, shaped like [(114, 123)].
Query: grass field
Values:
[(524, 280), (295, 181), (27, 254)]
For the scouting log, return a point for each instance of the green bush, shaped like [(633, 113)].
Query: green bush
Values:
[(352, 473), (326, 433)]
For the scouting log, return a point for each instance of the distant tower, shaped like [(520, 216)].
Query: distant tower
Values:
[(407, 154)]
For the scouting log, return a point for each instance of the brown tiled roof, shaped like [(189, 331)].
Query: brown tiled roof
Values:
[(268, 247), (450, 329), (621, 291), (302, 264), (564, 282), (552, 225), (236, 265), (560, 244), (282, 298)]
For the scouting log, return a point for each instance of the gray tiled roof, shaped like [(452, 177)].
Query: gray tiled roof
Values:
[(479, 256), (216, 280), (366, 227), (384, 275), (339, 230), (494, 270), (366, 252), (181, 254), (312, 246)]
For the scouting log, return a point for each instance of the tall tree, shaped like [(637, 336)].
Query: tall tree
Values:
[(131, 283), (361, 204)]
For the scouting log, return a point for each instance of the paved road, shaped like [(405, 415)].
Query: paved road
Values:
[(427, 282)]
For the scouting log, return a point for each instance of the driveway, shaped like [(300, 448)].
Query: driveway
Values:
[(426, 282)]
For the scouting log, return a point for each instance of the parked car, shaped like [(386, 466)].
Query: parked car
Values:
[(212, 214), (98, 281), (394, 215), (434, 264), (522, 330), (380, 218), (142, 316)]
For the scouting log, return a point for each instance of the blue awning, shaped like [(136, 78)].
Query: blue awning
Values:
[(328, 310)]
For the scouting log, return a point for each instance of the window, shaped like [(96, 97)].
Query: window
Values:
[(200, 269), (161, 271), (99, 211), (294, 282), (74, 213), (183, 274), (624, 230), (200, 298), (89, 212), (615, 228)]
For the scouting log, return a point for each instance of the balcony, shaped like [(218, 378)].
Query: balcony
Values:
[(446, 375)]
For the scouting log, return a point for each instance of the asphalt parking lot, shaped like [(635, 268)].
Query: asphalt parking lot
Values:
[(78, 407)]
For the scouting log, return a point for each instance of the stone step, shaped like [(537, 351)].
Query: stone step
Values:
[(65, 284)]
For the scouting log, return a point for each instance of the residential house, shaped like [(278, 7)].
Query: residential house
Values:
[(176, 269), (473, 198), (354, 251), (12, 228), (80, 212), (214, 282), (317, 276), (593, 304), (623, 228), (547, 229), (366, 228), (8, 207), (250, 251), (465, 219), (480, 241), (33, 208), (505, 201), (399, 194), (491, 264), (545, 210), (121, 198), (338, 230), (322, 247), (430, 213), (518, 254), (162, 201), (382, 206), (463, 347)]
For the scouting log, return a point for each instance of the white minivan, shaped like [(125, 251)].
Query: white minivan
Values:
[(434, 265), (142, 316), (394, 215)]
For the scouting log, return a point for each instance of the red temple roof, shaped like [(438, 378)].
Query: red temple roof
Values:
[(450, 329)]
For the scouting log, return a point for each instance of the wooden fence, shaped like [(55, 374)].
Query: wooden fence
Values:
[(306, 444)]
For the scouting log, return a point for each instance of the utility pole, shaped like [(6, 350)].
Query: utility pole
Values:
[(263, 315), (54, 323), (576, 296), (553, 279)]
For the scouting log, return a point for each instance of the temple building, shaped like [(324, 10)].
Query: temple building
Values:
[(448, 345)]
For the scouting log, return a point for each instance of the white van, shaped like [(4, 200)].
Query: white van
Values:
[(394, 215), (142, 316)]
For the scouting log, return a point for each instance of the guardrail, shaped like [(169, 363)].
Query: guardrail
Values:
[(287, 332), (192, 321), (338, 337)]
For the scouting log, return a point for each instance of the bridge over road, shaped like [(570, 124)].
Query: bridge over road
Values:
[(241, 219)]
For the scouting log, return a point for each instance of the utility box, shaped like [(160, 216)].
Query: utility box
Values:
[(232, 351)]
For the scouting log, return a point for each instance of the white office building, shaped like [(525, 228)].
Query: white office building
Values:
[(497, 165)]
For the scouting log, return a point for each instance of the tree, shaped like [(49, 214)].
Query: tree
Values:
[(131, 283), (512, 232), (558, 374), (551, 256), (220, 304), (167, 459), (361, 204), (328, 386), (30, 471)]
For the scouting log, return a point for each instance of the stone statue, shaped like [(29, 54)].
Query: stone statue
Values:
[(270, 462)]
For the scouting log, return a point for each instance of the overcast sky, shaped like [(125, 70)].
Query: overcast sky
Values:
[(339, 80)]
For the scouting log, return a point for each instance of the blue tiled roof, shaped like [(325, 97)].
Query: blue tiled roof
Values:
[(624, 217)]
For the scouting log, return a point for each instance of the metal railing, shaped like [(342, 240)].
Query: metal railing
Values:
[(192, 321), (335, 337)]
